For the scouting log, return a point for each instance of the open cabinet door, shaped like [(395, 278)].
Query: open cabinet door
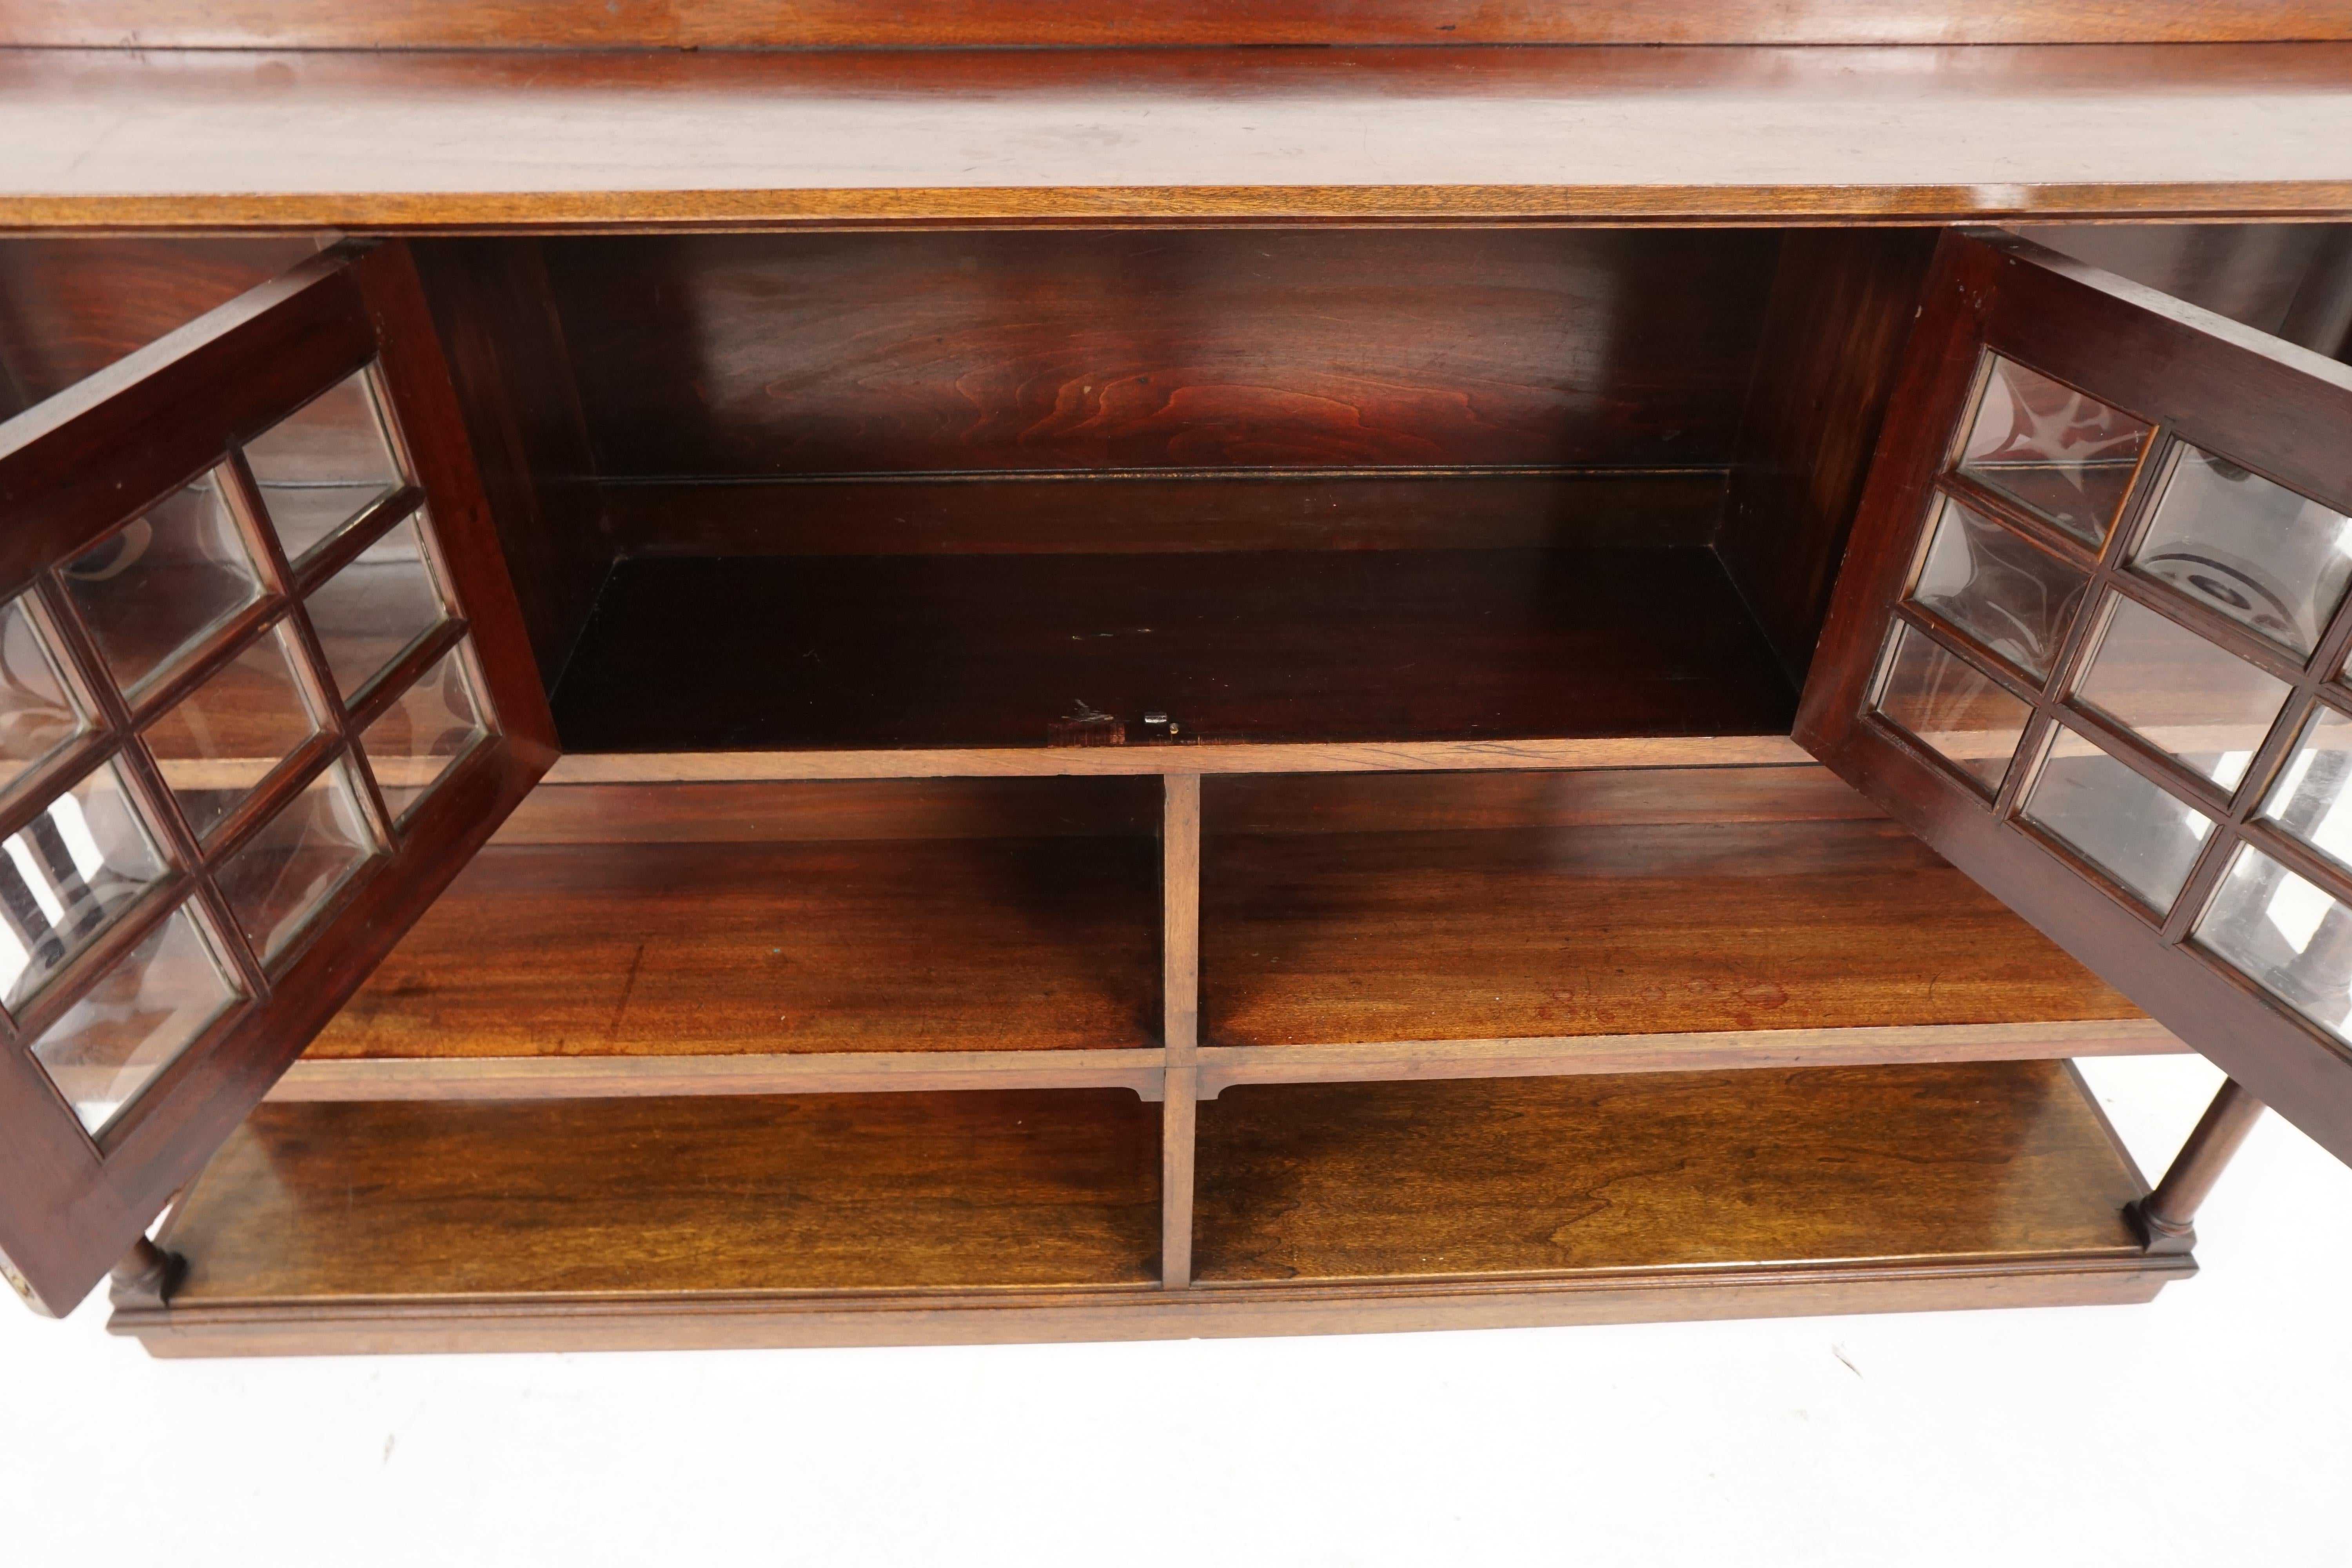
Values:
[(264, 688), (2089, 643)]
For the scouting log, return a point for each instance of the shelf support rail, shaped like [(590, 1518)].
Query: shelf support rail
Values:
[(2167, 1216)]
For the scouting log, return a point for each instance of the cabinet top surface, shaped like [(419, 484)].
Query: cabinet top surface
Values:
[(226, 139)]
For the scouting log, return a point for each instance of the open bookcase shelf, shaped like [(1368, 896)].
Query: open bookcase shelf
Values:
[(856, 653), (925, 1217)]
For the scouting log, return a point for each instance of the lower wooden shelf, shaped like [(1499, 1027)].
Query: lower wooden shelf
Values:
[(935, 1217)]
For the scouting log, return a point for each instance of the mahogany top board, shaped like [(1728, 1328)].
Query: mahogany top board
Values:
[(1302, 1181), (368, 141), (754, 24)]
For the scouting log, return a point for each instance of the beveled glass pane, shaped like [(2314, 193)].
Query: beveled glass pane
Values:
[(2287, 935), (2063, 456), (152, 590), (2016, 599), (2206, 709), (1950, 708), (37, 713), (2116, 819), (287, 872), (2313, 796), (66, 876), (148, 1009), (421, 736), (2256, 551), (223, 738), (322, 466), (367, 614)]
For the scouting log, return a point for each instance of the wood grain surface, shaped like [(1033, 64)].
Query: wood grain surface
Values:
[(819, 1193), (224, 138), (846, 652), (1389, 1181), (742, 24), (1314, 939), (71, 307), (615, 950), (763, 354), (1130, 512)]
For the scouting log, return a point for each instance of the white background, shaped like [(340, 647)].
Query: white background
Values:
[(2214, 1426)]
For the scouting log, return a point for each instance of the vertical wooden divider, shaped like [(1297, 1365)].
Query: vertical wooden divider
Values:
[(1179, 1014)]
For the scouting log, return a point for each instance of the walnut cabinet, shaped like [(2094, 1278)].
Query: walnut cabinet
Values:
[(642, 770)]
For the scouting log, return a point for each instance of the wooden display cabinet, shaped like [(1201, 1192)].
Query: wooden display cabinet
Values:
[(715, 759)]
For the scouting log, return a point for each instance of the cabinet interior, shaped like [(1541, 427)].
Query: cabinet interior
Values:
[(1089, 505)]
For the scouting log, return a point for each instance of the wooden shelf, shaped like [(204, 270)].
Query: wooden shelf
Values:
[(635, 954), (855, 653), (1034, 1216), (815, 1193), (1629, 928), (1331, 1182)]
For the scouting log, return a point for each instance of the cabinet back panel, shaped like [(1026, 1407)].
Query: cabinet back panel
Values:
[(757, 355)]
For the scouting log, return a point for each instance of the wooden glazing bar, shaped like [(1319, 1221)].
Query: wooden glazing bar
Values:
[(1180, 970)]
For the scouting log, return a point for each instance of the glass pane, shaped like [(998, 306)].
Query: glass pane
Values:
[(2256, 551), (286, 872), (2014, 598), (2184, 696), (153, 587), (322, 466), (2312, 797), (2065, 458), (1953, 709), (37, 714), (421, 736), (367, 614), (2285, 935), (2116, 819), (67, 875), (148, 1009), (223, 738)]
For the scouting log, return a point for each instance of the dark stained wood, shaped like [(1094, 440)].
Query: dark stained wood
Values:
[(69, 308), (1093, 511), (792, 811), (73, 1208), (895, 1192), (2279, 409), (1842, 309), (847, 652), (2166, 1217), (855, 945), (1311, 939), (1498, 1177), (2254, 273), (125, 437), (766, 355), (716, 138), (514, 381), (834, 23)]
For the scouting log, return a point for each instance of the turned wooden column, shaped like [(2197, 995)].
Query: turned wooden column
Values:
[(147, 1274), (2167, 1216)]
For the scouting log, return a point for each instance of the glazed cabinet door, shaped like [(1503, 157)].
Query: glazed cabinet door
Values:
[(2089, 643), (263, 688)]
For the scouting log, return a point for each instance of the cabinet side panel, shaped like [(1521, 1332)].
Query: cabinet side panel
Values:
[(1842, 303)]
